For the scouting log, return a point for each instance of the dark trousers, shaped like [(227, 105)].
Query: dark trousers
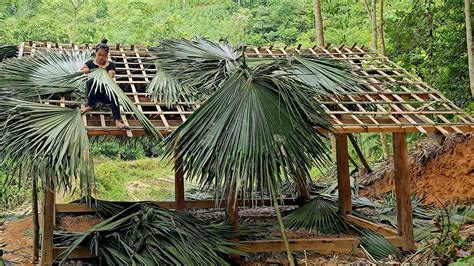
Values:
[(99, 96)]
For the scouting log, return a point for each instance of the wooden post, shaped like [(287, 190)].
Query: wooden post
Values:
[(178, 181), (232, 208), (302, 185), (48, 225), (402, 190), (344, 183)]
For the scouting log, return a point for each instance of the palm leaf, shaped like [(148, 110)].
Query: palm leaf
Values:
[(191, 68), (248, 134), (318, 215), (147, 234), (165, 88), (43, 73), (377, 246), (45, 141)]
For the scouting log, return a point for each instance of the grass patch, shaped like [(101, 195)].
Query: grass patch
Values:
[(143, 179)]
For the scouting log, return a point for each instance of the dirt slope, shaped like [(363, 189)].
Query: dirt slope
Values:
[(443, 173)]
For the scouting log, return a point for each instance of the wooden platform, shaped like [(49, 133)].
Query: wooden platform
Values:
[(322, 244)]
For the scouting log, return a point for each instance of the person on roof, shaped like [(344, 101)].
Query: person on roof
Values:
[(96, 96)]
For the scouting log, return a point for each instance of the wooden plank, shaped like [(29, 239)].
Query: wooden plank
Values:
[(344, 185), (73, 208), (378, 228), (78, 253), (48, 227), (178, 181), (323, 245), (193, 204), (402, 190)]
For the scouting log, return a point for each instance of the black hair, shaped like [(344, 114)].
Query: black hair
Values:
[(102, 45)]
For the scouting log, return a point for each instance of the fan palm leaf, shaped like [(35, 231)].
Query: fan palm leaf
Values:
[(246, 134), (43, 73), (192, 68), (318, 215), (377, 246), (45, 141), (147, 234)]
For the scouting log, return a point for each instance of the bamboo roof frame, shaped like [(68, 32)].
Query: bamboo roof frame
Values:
[(397, 101)]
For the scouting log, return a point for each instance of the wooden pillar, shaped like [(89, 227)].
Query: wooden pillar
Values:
[(178, 181), (232, 208), (402, 190), (48, 220), (302, 186), (343, 180)]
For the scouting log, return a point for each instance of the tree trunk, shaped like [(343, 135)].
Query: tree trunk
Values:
[(429, 16), (371, 11), (318, 19), (383, 139), (34, 207), (467, 12), (381, 31)]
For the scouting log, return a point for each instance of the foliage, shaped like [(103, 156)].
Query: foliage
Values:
[(230, 143), (439, 55), (318, 215), (46, 142), (12, 194), (147, 234), (377, 246), (114, 150)]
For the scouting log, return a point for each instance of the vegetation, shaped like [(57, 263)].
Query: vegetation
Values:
[(272, 107), (147, 234)]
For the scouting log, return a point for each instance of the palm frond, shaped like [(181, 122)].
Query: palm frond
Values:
[(43, 73), (318, 215), (192, 68), (250, 133), (147, 234), (377, 246), (325, 75), (45, 141), (166, 88)]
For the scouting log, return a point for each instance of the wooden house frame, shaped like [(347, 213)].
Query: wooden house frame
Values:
[(397, 102)]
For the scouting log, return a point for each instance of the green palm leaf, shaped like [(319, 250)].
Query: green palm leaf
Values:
[(377, 246), (251, 133), (43, 73), (318, 215), (147, 234), (191, 68), (166, 88), (45, 141)]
